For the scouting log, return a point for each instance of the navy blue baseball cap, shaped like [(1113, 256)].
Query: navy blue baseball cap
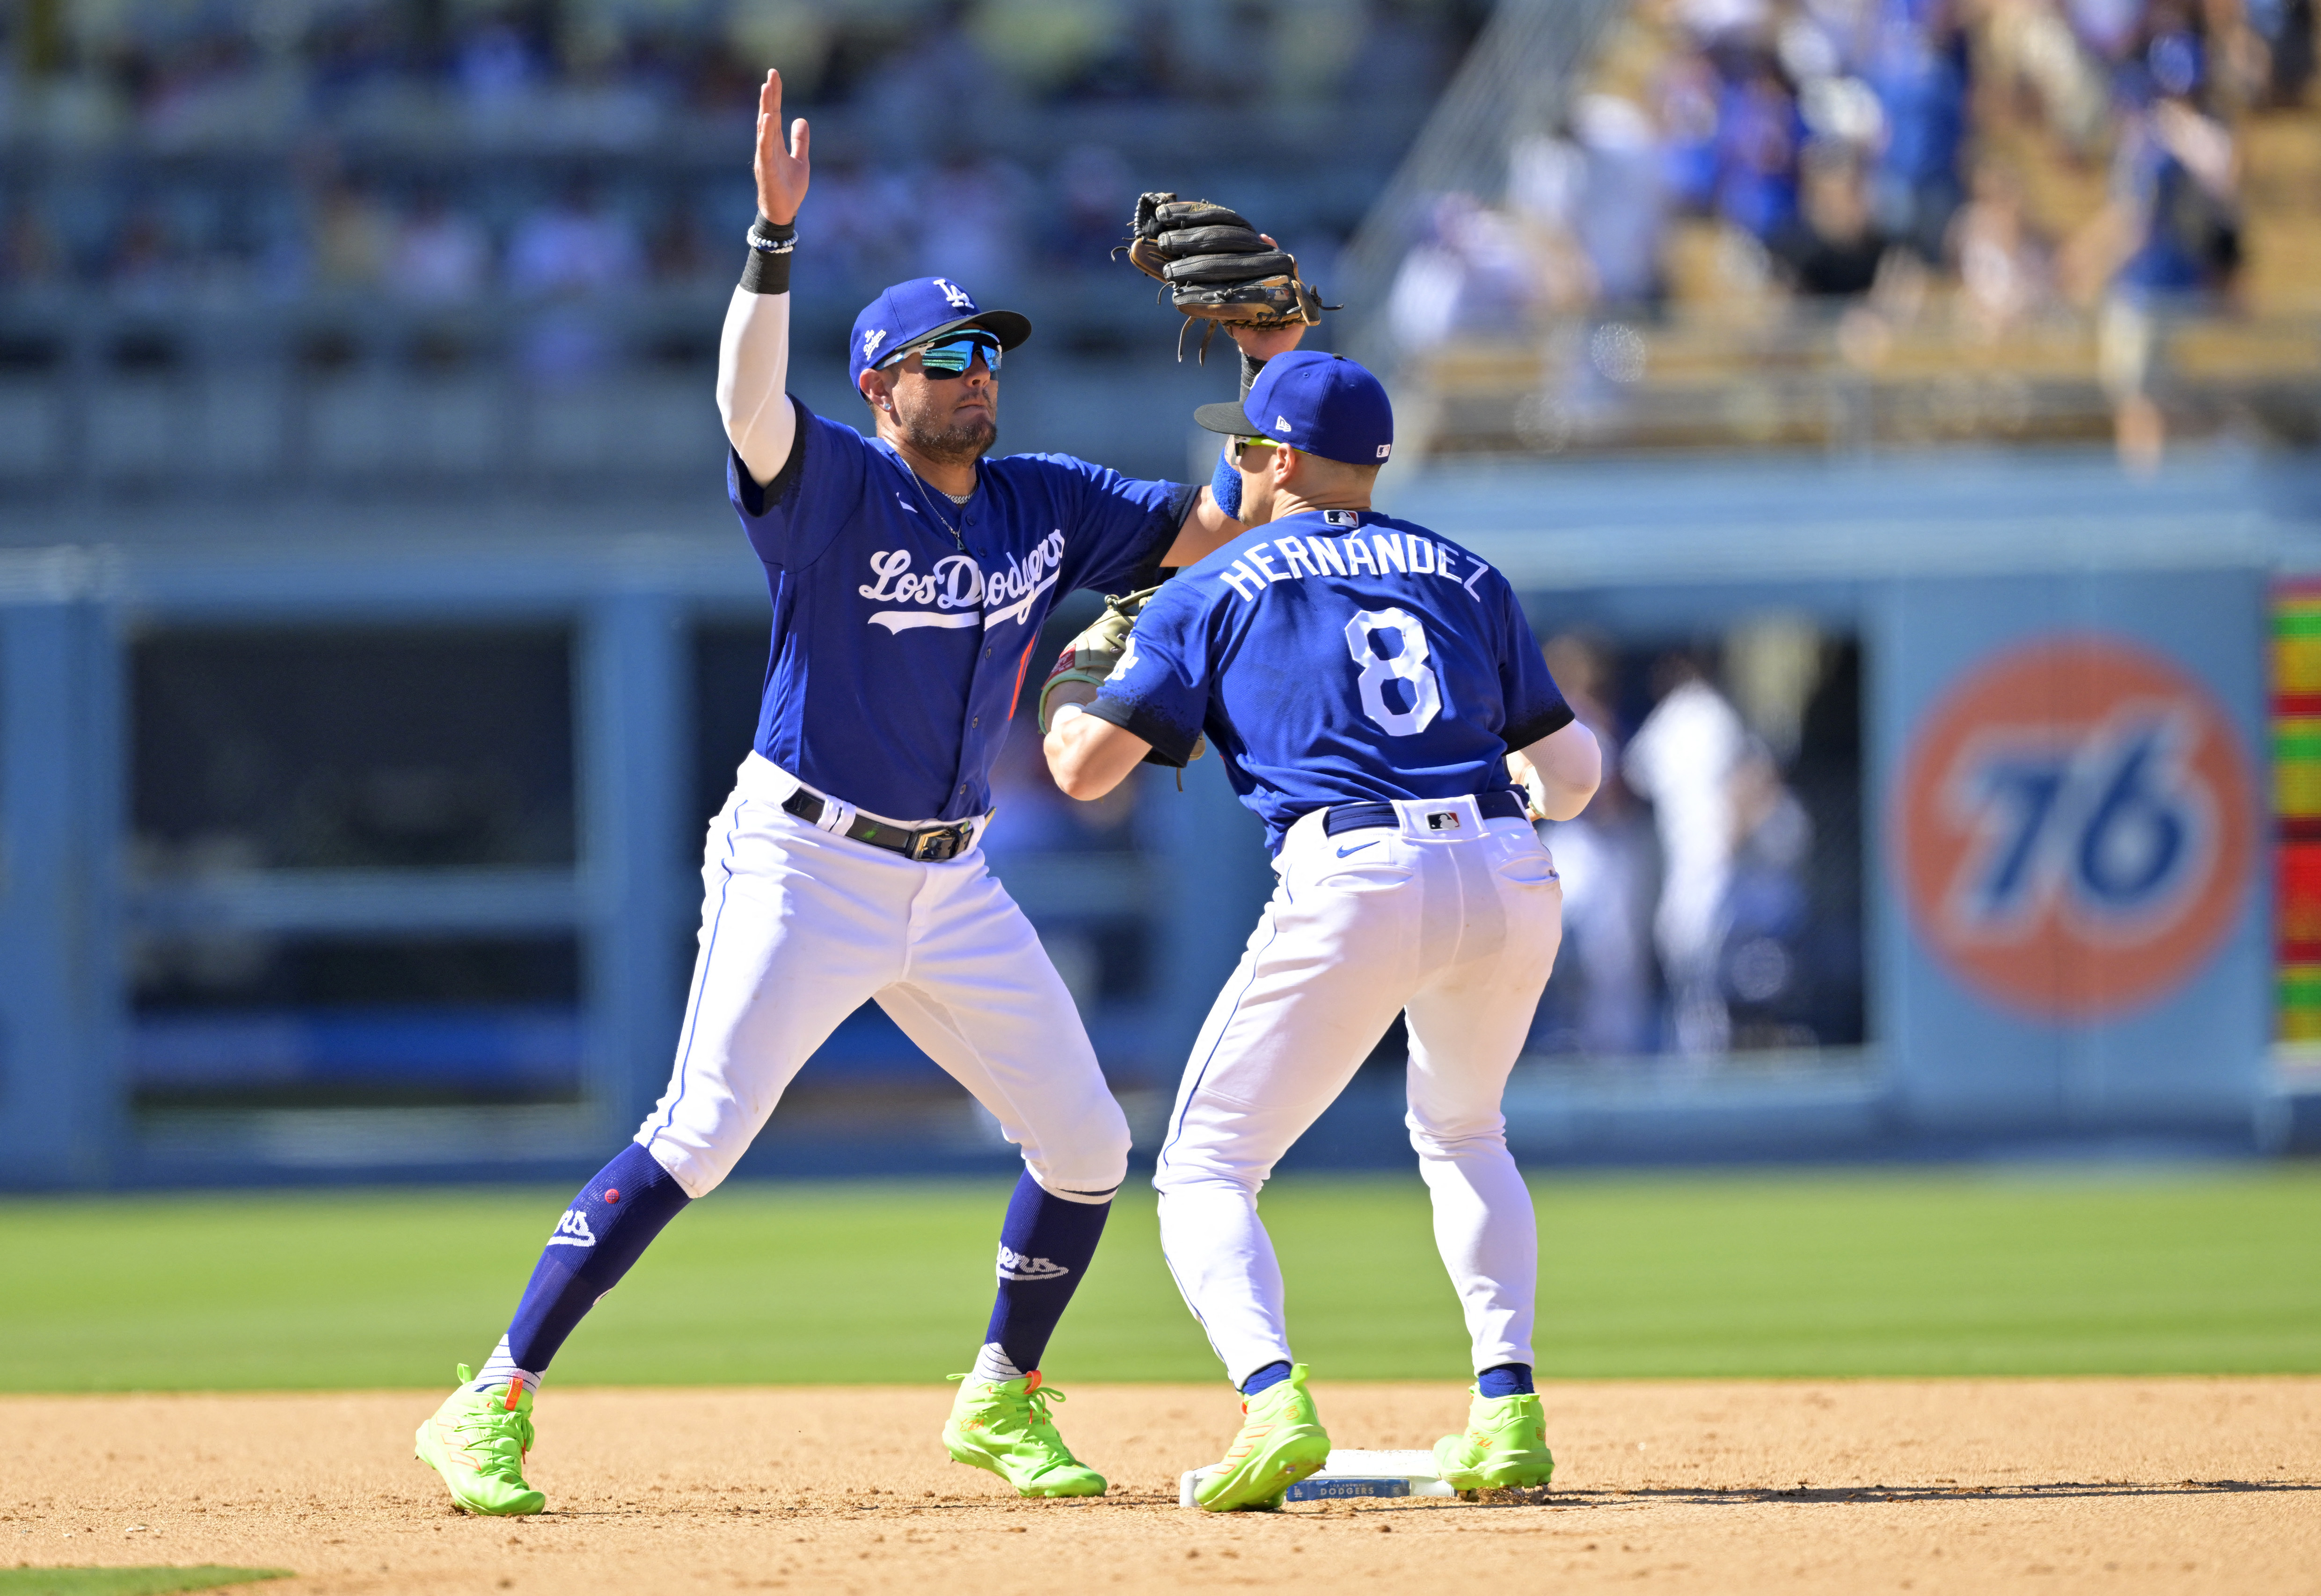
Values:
[(1324, 405), (921, 308)]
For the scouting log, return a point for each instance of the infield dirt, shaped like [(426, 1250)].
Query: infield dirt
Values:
[(2165, 1484)]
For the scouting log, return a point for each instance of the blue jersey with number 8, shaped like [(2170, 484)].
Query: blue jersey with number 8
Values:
[(1337, 656)]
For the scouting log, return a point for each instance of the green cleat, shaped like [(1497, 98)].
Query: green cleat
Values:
[(1003, 1425), (477, 1442), (1281, 1441), (1504, 1447)]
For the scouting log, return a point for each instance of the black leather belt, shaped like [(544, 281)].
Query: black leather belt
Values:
[(930, 844), (1359, 817)]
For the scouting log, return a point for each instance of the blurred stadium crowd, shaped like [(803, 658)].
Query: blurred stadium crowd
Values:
[(1956, 171), (1835, 148), (444, 149)]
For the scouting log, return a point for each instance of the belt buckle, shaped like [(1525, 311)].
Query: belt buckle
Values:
[(936, 845)]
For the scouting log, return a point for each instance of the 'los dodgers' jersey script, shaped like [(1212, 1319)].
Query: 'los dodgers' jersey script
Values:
[(899, 648), (1337, 656)]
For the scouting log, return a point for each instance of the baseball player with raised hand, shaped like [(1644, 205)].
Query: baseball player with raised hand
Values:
[(909, 577), (1378, 698)]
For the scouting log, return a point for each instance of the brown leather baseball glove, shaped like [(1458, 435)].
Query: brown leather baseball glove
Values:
[(1217, 267)]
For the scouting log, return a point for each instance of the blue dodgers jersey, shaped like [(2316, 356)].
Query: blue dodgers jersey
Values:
[(899, 650), (1337, 656)]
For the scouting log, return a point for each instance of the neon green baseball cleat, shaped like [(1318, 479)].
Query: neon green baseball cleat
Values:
[(1281, 1441), (1504, 1447), (1003, 1425), (477, 1442)]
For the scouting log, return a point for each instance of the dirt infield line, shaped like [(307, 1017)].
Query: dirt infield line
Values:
[(1967, 1486)]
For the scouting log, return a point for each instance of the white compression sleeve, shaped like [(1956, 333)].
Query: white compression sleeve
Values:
[(753, 357)]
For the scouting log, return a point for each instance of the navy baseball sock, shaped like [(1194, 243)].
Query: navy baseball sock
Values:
[(1044, 1248), (605, 1231), (1504, 1381), (1273, 1373)]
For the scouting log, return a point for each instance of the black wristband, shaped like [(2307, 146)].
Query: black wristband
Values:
[(1250, 366), (768, 267)]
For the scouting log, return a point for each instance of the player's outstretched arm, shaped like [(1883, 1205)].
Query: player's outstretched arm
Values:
[(1213, 520), (1560, 771), (754, 351), (1087, 756)]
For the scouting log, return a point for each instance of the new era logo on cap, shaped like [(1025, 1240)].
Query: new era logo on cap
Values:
[(1281, 424)]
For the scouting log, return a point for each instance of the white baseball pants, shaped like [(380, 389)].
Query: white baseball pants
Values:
[(799, 925), (1455, 926)]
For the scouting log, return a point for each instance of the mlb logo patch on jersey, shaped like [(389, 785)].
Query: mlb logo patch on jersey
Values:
[(1342, 518), (1443, 820)]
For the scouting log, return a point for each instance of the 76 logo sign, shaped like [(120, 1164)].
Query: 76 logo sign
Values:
[(2074, 826), (2106, 828)]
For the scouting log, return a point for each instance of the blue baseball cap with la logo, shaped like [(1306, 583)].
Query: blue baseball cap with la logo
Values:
[(1322, 403), (914, 312)]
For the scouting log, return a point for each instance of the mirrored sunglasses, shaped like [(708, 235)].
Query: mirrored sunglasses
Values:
[(951, 357)]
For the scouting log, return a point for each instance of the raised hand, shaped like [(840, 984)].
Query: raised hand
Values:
[(782, 171)]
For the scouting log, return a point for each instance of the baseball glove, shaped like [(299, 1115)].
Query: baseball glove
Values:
[(1217, 267), (1092, 657)]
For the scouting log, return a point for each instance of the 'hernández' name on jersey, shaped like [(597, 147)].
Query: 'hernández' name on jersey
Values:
[(1337, 656), (899, 645)]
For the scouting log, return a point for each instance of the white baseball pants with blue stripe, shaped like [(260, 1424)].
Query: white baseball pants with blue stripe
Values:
[(1456, 927), (799, 926)]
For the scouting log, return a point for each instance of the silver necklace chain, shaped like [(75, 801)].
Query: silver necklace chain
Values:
[(918, 483)]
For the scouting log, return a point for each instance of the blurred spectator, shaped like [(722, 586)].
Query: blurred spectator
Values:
[(573, 246), (2168, 240), (495, 69), (567, 254), (1601, 855), (353, 235), (144, 262), (1687, 91), (2002, 264), (1472, 272), (970, 214), (31, 254), (1766, 910), (1832, 249), (1918, 71), (1757, 132), (677, 252), (1681, 761), (1095, 192), (1601, 189), (2285, 28), (440, 257)]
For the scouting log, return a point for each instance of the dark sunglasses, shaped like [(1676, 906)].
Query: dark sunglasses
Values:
[(951, 357), (1243, 445)]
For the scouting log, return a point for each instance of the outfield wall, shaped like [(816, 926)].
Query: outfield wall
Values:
[(261, 920)]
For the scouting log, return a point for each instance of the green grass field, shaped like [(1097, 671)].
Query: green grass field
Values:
[(129, 1582), (1941, 1272)]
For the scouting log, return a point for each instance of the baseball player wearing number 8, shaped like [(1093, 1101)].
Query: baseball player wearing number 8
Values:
[(909, 577), (1378, 698)]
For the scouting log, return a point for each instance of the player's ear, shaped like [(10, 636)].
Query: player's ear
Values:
[(874, 386)]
